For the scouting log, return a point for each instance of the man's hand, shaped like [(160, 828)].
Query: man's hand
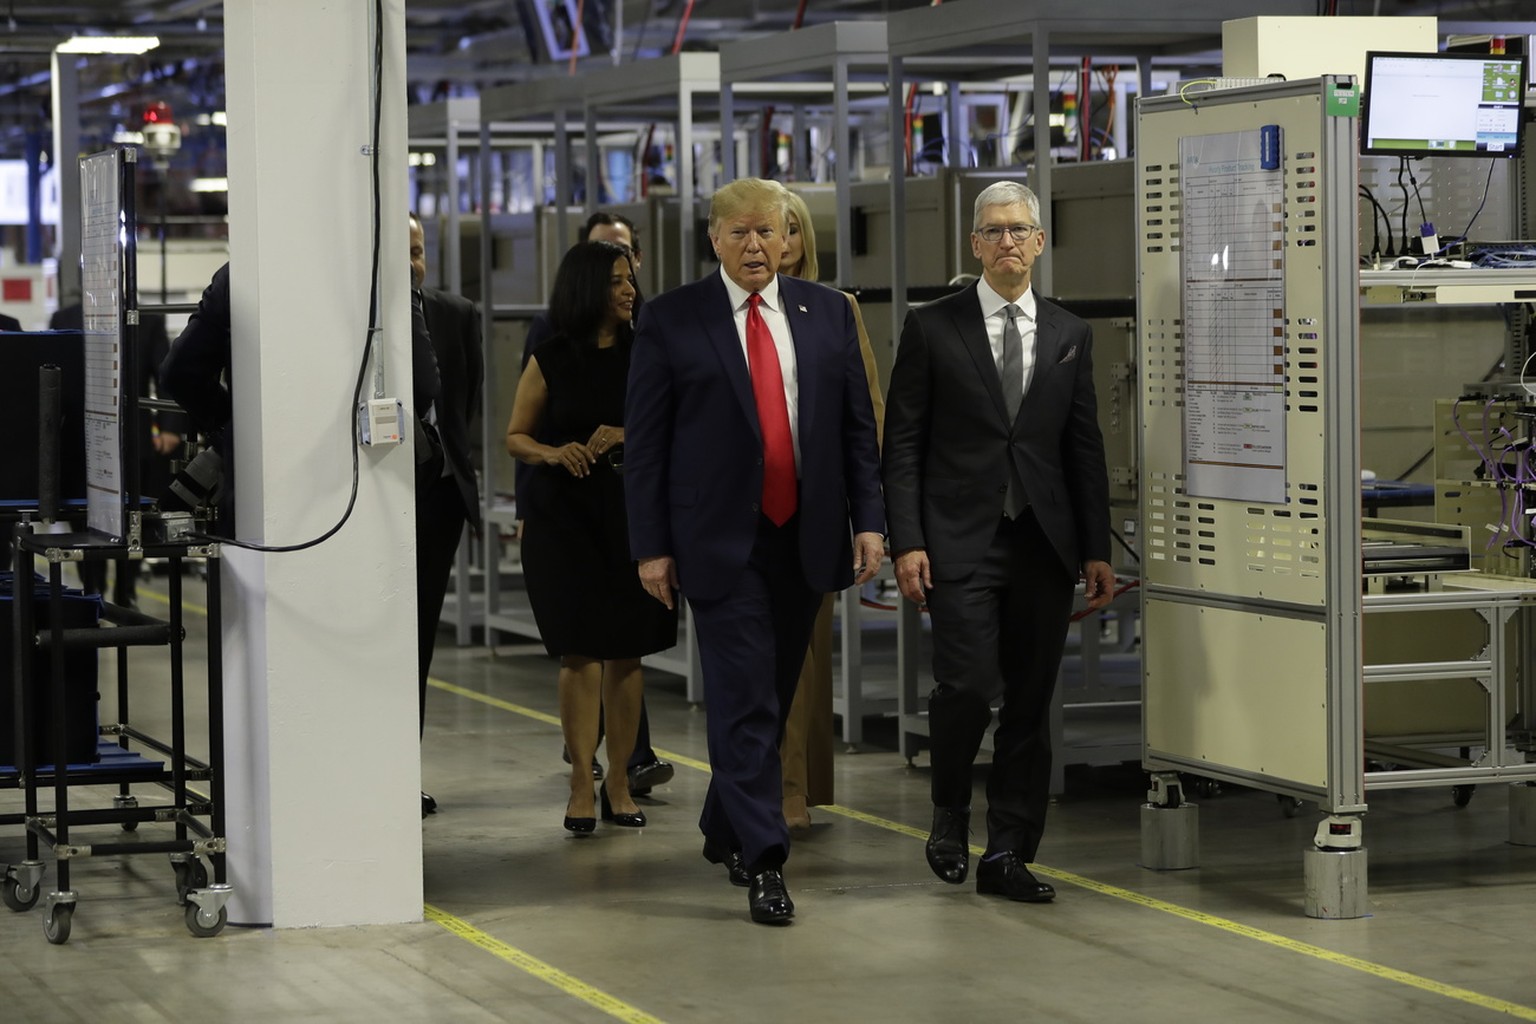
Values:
[(868, 553), (658, 576), (166, 442), (913, 575), (1098, 584)]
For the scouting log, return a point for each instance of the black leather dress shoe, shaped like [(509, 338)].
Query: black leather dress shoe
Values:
[(580, 826), (1008, 876), (734, 866), (768, 899), (428, 805), (644, 777), (949, 844), (628, 820)]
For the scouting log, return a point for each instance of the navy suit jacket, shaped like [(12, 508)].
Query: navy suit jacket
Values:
[(948, 440), (693, 467), (454, 323)]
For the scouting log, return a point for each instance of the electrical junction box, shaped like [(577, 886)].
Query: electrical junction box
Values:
[(379, 421)]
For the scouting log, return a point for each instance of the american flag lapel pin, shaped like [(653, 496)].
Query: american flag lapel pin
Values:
[(801, 308)]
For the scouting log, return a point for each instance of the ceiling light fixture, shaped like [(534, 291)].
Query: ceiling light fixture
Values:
[(109, 44)]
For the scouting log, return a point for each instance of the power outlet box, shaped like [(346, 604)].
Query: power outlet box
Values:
[(380, 421)]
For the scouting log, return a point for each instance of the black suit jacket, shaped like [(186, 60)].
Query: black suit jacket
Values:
[(10, 323), (196, 370), (693, 477), (154, 345), (948, 440), (454, 324)]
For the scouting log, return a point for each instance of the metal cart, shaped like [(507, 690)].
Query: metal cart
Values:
[(195, 817)]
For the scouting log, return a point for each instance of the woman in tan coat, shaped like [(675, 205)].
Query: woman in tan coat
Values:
[(806, 752)]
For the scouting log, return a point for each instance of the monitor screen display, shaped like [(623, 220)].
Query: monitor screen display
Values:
[(1442, 104)]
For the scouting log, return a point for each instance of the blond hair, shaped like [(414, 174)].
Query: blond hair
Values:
[(810, 267), (746, 195)]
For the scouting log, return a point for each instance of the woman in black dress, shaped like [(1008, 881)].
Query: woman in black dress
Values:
[(587, 600)]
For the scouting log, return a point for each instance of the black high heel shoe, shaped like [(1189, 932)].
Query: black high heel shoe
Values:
[(582, 826), (635, 820)]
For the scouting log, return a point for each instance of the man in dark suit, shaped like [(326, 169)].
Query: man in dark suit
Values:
[(9, 323), (159, 440), (447, 498), (997, 497), (198, 374), (750, 451), (646, 769)]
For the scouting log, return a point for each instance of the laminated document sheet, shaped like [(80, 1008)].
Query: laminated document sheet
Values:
[(102, 246), (1233, 272)]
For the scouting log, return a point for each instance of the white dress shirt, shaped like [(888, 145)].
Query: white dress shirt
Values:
[(772, 310), (993, 310)]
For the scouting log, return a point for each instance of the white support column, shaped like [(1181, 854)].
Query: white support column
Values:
[(320, 645)]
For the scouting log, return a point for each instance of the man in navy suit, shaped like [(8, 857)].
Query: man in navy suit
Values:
[(448, 496), (751, 473), (998, 500)]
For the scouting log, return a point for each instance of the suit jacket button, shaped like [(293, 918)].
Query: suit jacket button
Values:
[(1003, 489), (759, 460), (754, 506)]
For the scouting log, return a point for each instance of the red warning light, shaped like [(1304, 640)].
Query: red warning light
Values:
[(158, 112)]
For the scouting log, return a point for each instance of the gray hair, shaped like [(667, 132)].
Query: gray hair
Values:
[(1005, 193)]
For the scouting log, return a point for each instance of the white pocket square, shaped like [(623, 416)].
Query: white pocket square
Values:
[(1071, 355)]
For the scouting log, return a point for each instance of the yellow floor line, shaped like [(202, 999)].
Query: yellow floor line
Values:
[(623, 1011), (1306, 949), (1233, 927), (495, 702), (186, 606), (570, 985)]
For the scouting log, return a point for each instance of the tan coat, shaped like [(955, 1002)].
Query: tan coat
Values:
[(806, 752)]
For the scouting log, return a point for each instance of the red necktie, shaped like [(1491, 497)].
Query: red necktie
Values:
[(779, 486)]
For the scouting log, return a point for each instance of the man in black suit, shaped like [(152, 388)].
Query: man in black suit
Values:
[(997, 498), (447, 498), (646, 769), (159, 439), (752, 482), (197, 373)]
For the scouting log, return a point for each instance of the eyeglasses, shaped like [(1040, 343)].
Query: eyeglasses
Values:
[(1018, 232)]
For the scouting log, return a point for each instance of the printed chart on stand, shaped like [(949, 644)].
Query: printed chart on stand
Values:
[(101, 248), (1233, 253)]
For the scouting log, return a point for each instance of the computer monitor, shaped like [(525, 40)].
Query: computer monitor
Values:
[(1442, 104)]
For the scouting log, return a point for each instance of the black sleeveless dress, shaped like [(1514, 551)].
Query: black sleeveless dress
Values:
[(581, 580)]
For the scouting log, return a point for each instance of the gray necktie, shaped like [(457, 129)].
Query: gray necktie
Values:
[(1013, 397), (1013, 363)]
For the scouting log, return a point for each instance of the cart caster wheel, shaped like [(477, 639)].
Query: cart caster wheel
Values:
[(130, 802), (190, 875), (56, 923), (1289, 805), (1207, 788), (204, 925), (16, 897), (1462, 795)]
